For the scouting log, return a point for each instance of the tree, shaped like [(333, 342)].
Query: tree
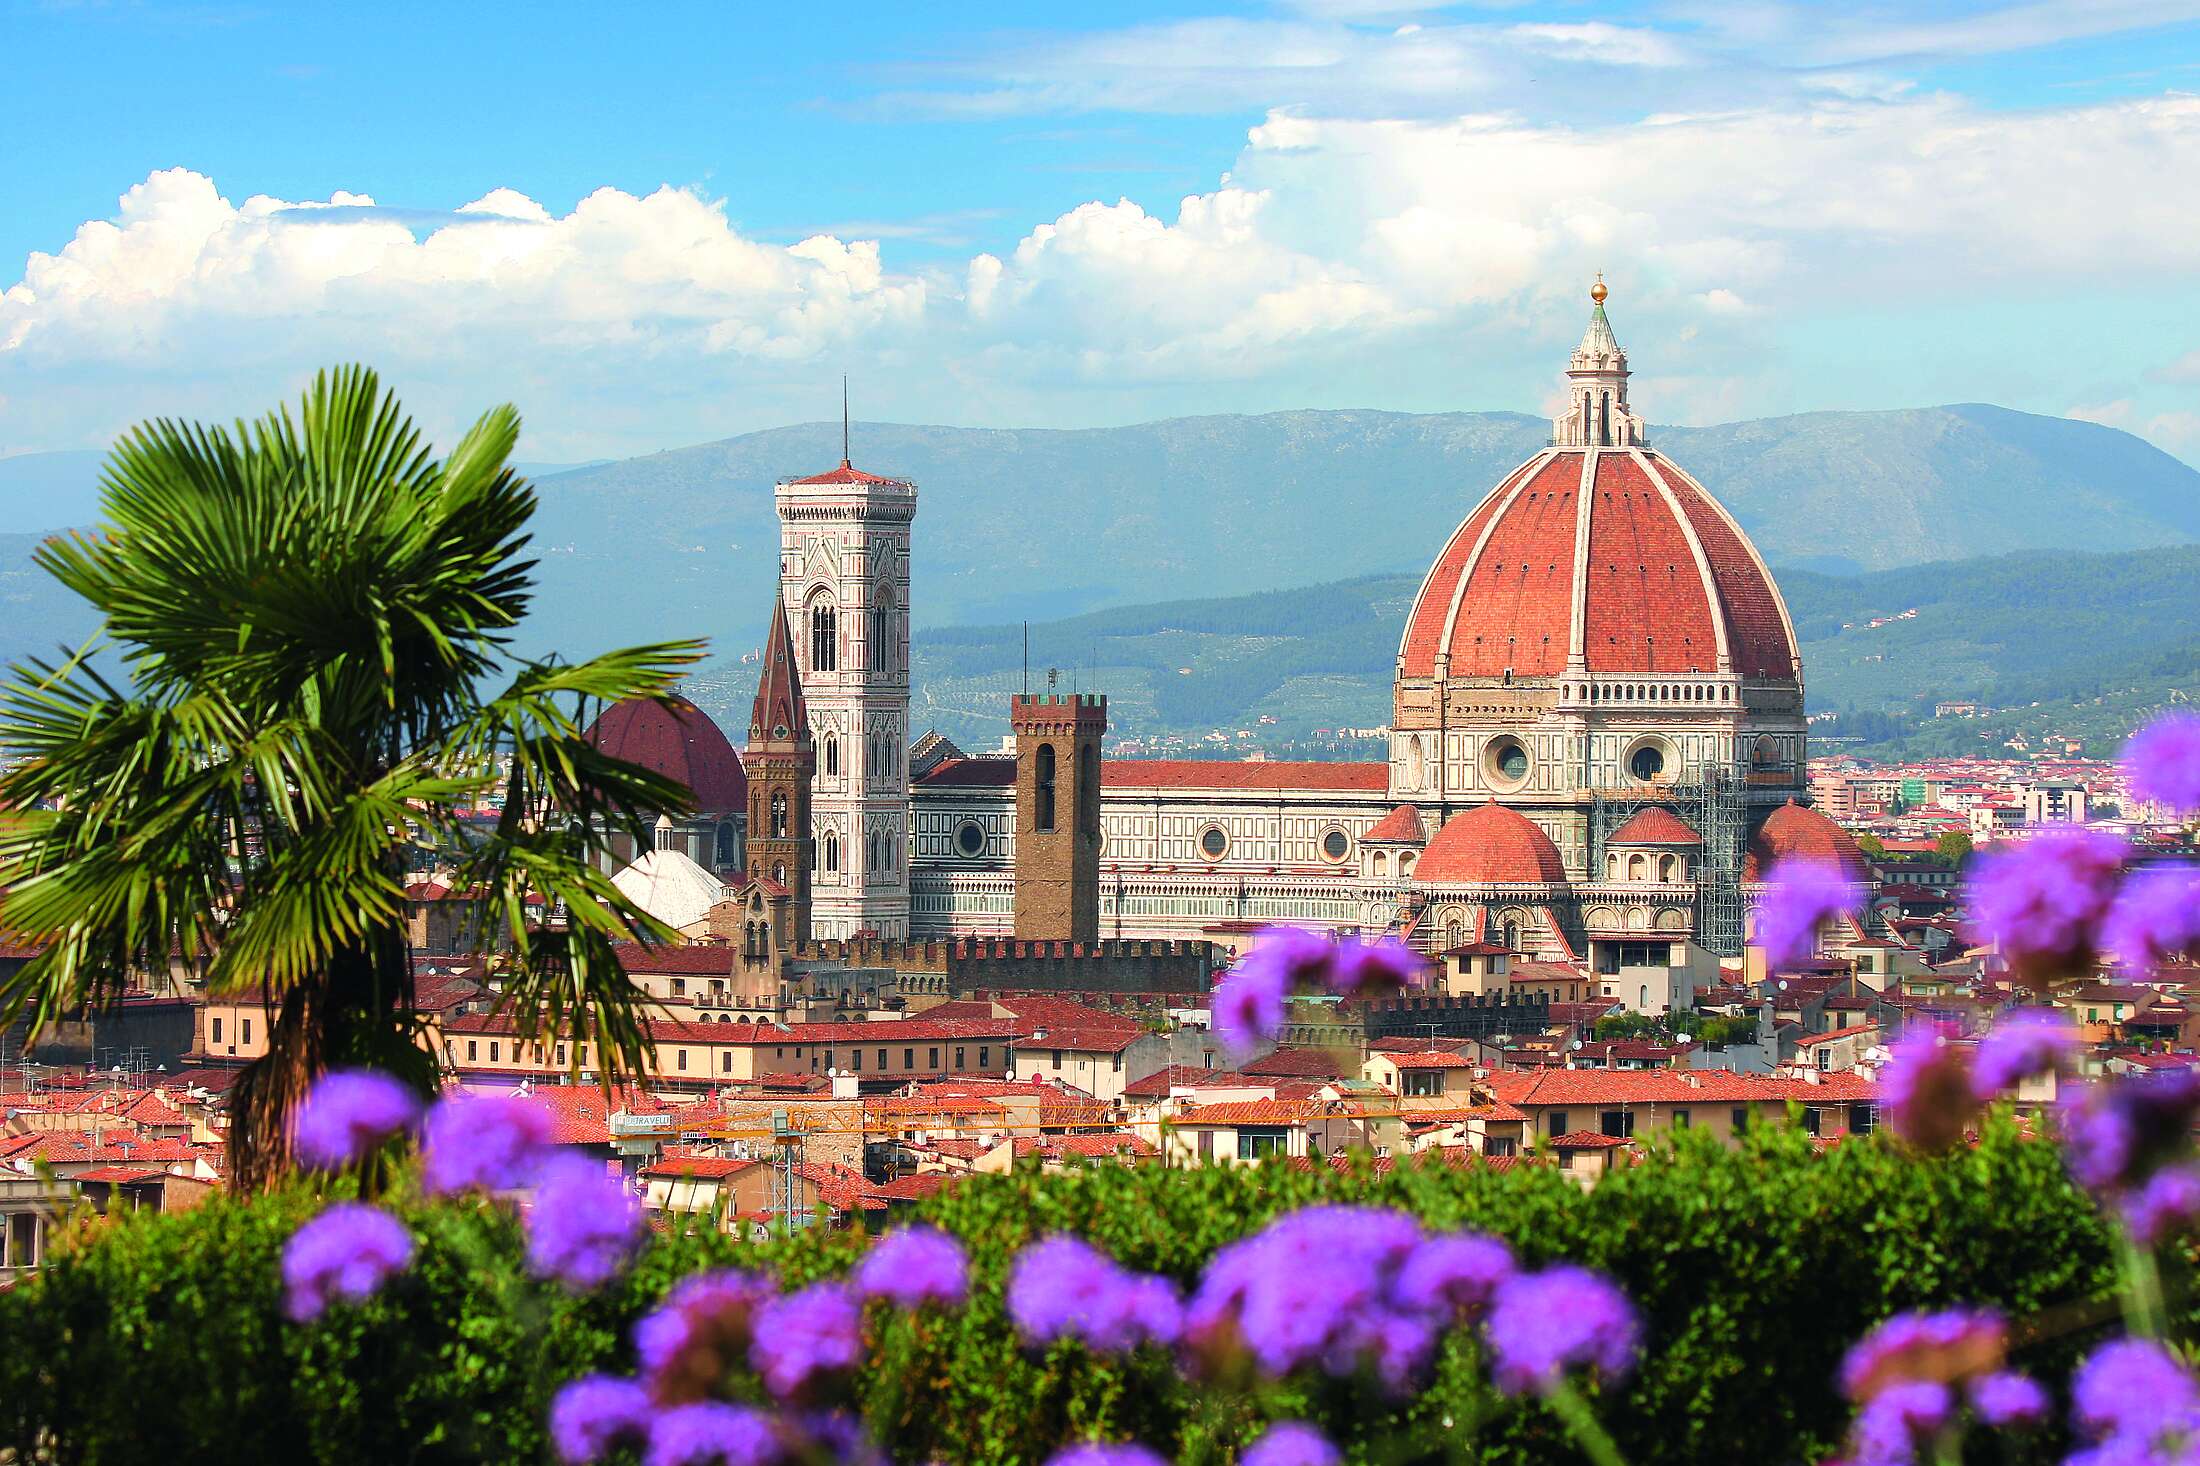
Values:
[(302, 618), (1872, 846), (1953, 847)]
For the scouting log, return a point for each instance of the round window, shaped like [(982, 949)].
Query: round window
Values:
[(1212, 842), (1335, 845), (1512, 762), (1646, 762), (970, 838), (1505, 761)]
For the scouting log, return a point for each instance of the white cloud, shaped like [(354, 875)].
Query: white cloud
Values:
[(2185, 369)]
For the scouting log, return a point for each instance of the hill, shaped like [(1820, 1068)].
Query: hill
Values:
[(2073, 643)]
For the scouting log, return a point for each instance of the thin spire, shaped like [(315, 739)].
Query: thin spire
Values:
[(844, 459)]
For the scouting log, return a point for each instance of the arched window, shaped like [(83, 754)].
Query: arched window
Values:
[(779, 814), (1645, 1003), (1088, 781), (1669, 867), (1637, 867), (1379, 865), (883, 644), (1454, 934), (1512, 935), (824, 637), (1042, 790), (832, 854), (832, 754)]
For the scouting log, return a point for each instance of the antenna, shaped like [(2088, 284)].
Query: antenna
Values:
[(1027, 659), (844, 420)]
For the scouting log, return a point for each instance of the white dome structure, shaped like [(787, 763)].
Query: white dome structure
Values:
[(671, 887)]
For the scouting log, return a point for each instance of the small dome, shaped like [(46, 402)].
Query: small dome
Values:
[(1402, 826), (1490, 845), (670, 887), (680, 742), (1792, 831), (1656, 825)]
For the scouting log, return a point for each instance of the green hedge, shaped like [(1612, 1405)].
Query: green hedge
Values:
[(162, 1339)]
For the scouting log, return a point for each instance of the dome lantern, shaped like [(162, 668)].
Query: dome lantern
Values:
[(1597, 412)]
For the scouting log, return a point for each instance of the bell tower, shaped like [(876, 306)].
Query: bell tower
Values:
[(1058, 815), (781, 760)]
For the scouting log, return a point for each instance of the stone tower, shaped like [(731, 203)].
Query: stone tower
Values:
[(781, 761), (1058, 815), (844, 578)]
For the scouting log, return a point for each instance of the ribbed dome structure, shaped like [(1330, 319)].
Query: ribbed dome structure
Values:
[(1490, 845), (679, 741), (1656, 825), (1793, 831)]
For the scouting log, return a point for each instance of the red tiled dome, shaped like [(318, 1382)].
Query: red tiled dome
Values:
[(1792, 830), (680, 742), (1656, 825), (1402, 826), (1490, 845), (1667, 582)]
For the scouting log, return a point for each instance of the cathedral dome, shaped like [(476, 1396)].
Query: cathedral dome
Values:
[(1795, 831), (1490, 845), (1601, 556), (680, 742)]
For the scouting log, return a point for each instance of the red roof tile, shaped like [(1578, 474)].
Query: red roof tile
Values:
[(1401, 826), (677, 739), (1656, 825)]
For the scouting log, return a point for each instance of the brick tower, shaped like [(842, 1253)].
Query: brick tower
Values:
[(1058, 815), (780, 761)]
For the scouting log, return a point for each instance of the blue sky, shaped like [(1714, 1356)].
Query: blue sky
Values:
[(684, 222)]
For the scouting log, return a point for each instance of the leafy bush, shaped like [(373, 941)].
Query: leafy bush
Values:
[(161, 1338)]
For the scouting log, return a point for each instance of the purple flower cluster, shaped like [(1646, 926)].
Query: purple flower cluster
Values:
[(914, 1266), (2117, 1135), (2156, 917), (1799, 896), (348, 1114), (1948, 1345), (686, 1345), (2138, 1403), (2043, 902), (1926, 1093), (1063, 1288), (484, 1143), (2022, 1045), (1913, 1372), (595, 1415), (1291, 1443), (1340, 1288), (1542, 1325), (711, 1433), (2162, 761), (1249, 1004), (582, 1226), (347, 1252), (800, 1337), (1105, 1453), (2166, 1205)]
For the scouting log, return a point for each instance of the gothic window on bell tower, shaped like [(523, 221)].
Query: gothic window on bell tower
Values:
[(1042, 792), (779, 814), (824, 629)]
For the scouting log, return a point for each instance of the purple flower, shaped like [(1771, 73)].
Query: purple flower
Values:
[(699, 1332), (802, 1335), (582, 1226), (1943, 1346), (346, 1252), (1322, 1287), (1062, 1288), (595, 1415), (1458, 1273), (1887, 1430), (1104, 1453), (834, 1435), (2023, 1044), (1926, 1092), (1291, 1443), (1542, 1324), (915, 1266), (2043, 902), (1376, 969), (2168, 1204), (2117, 1134), (2134, 1388), (712, 1434), (2008, 1401), (1800, 894), (348, 1113), (2162, 761), (2156, 917), (1247, 1006), (490, 1143)]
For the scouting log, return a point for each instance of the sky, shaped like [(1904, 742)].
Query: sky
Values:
[(651, 226)]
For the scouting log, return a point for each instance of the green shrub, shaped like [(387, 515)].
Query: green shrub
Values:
[(161, 1339)]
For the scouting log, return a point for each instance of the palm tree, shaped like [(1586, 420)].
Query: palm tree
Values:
[(300, 621)]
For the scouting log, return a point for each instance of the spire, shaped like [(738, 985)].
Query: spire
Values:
[(1597, 412), (779, 714)]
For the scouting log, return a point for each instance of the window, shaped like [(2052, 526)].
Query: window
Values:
[(984, 1057), (1616, 1123), (1213, 843), (584, 1056), (1335, 846), (1810, 1121), (244, 1030), (1057, 1058), (882, 1061), (1741, 1119), (217, 1029), (1558, 1122), (679, 987), (958, 1056), (680, 1058), (855, 1059), (1423, 1083), (1861, 1119), (832, 853), (725, 1062), (969, 839), (561, 1056), (779, 814), (492, 1051), (1261, 1142), (471, 1052), (1042, 790), (1646, 763), (1681, 1120), (824, 628), (832, 754), (908, 1058)]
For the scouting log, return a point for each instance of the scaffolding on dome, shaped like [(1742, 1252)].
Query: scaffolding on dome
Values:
[(1710, 801)]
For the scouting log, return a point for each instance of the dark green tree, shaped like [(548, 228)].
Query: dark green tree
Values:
[(303, 668)]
